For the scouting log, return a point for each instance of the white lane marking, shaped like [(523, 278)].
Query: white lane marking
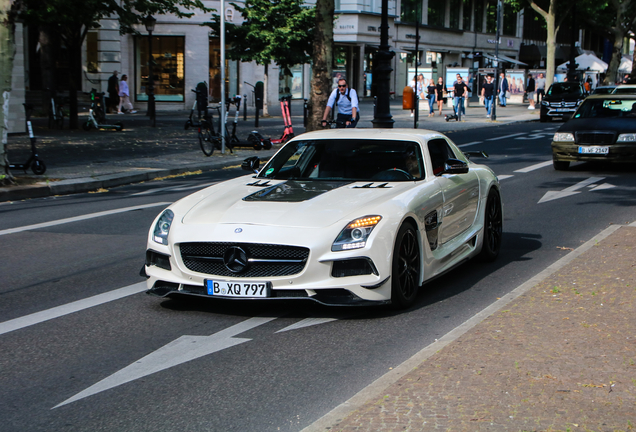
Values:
[(572, 190), (306, 323), (534, 136), (506, 136), (201, 186), (181, 350), (376, 389), (56, 312), (602, 187), (469, 144), (534, 167), (504, 176), (80, 218)]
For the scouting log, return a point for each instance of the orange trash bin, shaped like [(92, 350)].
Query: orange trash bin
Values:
[(408, 98)]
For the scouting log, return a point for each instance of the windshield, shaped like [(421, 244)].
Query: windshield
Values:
[(625, 90), (607, 108), (564, 88), (347, 159)]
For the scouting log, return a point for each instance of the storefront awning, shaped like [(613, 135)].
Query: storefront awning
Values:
[(504, 58)]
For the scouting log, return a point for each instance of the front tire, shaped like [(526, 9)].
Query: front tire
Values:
[(206, 142), (493, 228), (405, 275), (38, 167)]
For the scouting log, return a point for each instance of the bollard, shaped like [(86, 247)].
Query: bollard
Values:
[(375, 103), (244, 107), (305, 109)]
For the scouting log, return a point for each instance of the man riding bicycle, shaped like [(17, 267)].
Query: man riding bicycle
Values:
[(348, 110)]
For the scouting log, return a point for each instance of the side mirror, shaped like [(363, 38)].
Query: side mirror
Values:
[(251, 164), (455, 166)]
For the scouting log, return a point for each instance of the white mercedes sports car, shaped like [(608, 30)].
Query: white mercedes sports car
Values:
[(341, 217)]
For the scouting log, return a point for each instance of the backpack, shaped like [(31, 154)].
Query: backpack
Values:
[(346, 94)]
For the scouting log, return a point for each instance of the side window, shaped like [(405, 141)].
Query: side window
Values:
[(440, 152)]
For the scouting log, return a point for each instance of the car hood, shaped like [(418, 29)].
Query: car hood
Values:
[(291, 203), (618, 125)]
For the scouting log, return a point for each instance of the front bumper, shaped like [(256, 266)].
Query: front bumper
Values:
[(557, 111), (569, 152), (328, 297)]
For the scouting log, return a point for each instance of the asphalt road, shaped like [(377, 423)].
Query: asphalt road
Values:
[(84, 349)]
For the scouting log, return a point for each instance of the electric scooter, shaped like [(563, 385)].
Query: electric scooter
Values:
[(288, 133), (34, 162), (97, 117)]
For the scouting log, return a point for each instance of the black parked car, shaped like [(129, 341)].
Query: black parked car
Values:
[(561, 100), (603, 129)]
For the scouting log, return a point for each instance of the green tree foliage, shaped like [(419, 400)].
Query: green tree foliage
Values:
[(70, 20), (279, 31)]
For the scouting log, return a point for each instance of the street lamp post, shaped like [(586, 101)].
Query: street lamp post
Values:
[(497, 36), (382, 70), (150, 27)]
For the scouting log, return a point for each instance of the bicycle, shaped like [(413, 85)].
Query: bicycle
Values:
[(334, 124), (208, 138), (56, 114), (34, 162)]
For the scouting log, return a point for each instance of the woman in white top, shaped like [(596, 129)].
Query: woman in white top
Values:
[(124, 96)]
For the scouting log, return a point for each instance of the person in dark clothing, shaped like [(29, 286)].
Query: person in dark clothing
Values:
[(431, 90), (488, 94), (461, 93), (439, 90), (113, 93), (503, 88), (530, 90)]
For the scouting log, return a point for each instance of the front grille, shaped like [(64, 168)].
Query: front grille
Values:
[(263, 260), (603, 138), (562, 104)]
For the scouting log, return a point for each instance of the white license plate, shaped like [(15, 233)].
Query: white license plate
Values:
[(246, 289), (594, 150)]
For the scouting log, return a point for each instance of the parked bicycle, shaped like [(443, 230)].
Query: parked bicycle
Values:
[(201, 118), (56, 113)]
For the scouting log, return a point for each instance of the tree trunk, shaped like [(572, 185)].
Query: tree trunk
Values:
[(49, 49), (265, 92), (7, 51), (75, 60), (551, 29), (617, 55), (322, 68)]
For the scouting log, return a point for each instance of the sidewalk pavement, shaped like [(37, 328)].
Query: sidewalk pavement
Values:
[(556, 354), (82, 161)]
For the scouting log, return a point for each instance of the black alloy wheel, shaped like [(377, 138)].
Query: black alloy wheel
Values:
[(405, 277), (493, 227)]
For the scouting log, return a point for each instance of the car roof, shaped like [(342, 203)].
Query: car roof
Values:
[(421, 135)]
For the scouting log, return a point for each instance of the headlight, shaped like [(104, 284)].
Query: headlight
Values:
[(563, 136), (162, 227), (355, 234), (630, 137), (546, 103)]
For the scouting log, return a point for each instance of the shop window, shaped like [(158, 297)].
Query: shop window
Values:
[(468, 12), (455, 9), (436, 13), (91, 52), (409, 10), (509, 20), (168, 68), (491, 17), (479, 16)]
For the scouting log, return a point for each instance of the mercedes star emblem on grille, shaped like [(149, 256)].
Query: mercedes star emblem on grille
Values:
[(235, 259)]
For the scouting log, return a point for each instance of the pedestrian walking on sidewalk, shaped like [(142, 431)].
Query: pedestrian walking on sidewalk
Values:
[(530, 90), (461, 93), (124, 96), (431, 90), (503, 88), (488, 95), (540, 86), (113, 93), (439, 90)]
